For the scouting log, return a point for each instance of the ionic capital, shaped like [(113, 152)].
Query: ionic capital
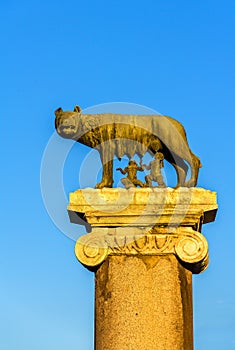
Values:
[(189, 246)]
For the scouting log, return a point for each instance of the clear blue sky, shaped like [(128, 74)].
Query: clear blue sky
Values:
[(176, 57)]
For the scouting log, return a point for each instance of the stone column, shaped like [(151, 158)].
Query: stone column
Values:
[(143, 245)]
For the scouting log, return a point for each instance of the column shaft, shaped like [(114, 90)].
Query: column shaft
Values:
[(143, 303)]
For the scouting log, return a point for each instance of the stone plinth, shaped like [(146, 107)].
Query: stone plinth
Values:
[(143, 245), (112, 207)]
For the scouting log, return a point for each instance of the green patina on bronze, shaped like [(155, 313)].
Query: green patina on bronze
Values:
[(123, 134)]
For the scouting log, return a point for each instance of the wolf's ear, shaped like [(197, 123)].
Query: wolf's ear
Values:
[(77, 109), (58, 111)]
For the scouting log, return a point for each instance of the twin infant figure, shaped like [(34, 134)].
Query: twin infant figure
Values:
[(155, 172)]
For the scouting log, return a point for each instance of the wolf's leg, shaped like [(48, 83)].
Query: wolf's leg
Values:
[(106, 156)]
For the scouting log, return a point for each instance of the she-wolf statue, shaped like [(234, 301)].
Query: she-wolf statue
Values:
[(122, 134)]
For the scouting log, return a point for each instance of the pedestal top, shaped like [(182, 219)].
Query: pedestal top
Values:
[(117, 207), (143, 222)]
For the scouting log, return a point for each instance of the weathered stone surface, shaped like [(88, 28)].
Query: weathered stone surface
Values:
[(188, 245), (109, 207), (143, 303), (144, 245), (144, 222)]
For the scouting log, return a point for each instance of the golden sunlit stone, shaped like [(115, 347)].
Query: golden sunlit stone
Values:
[(143, 245)]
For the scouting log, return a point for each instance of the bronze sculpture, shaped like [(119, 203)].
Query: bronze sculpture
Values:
[(155, 171), (122, 134), (131, 171)]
